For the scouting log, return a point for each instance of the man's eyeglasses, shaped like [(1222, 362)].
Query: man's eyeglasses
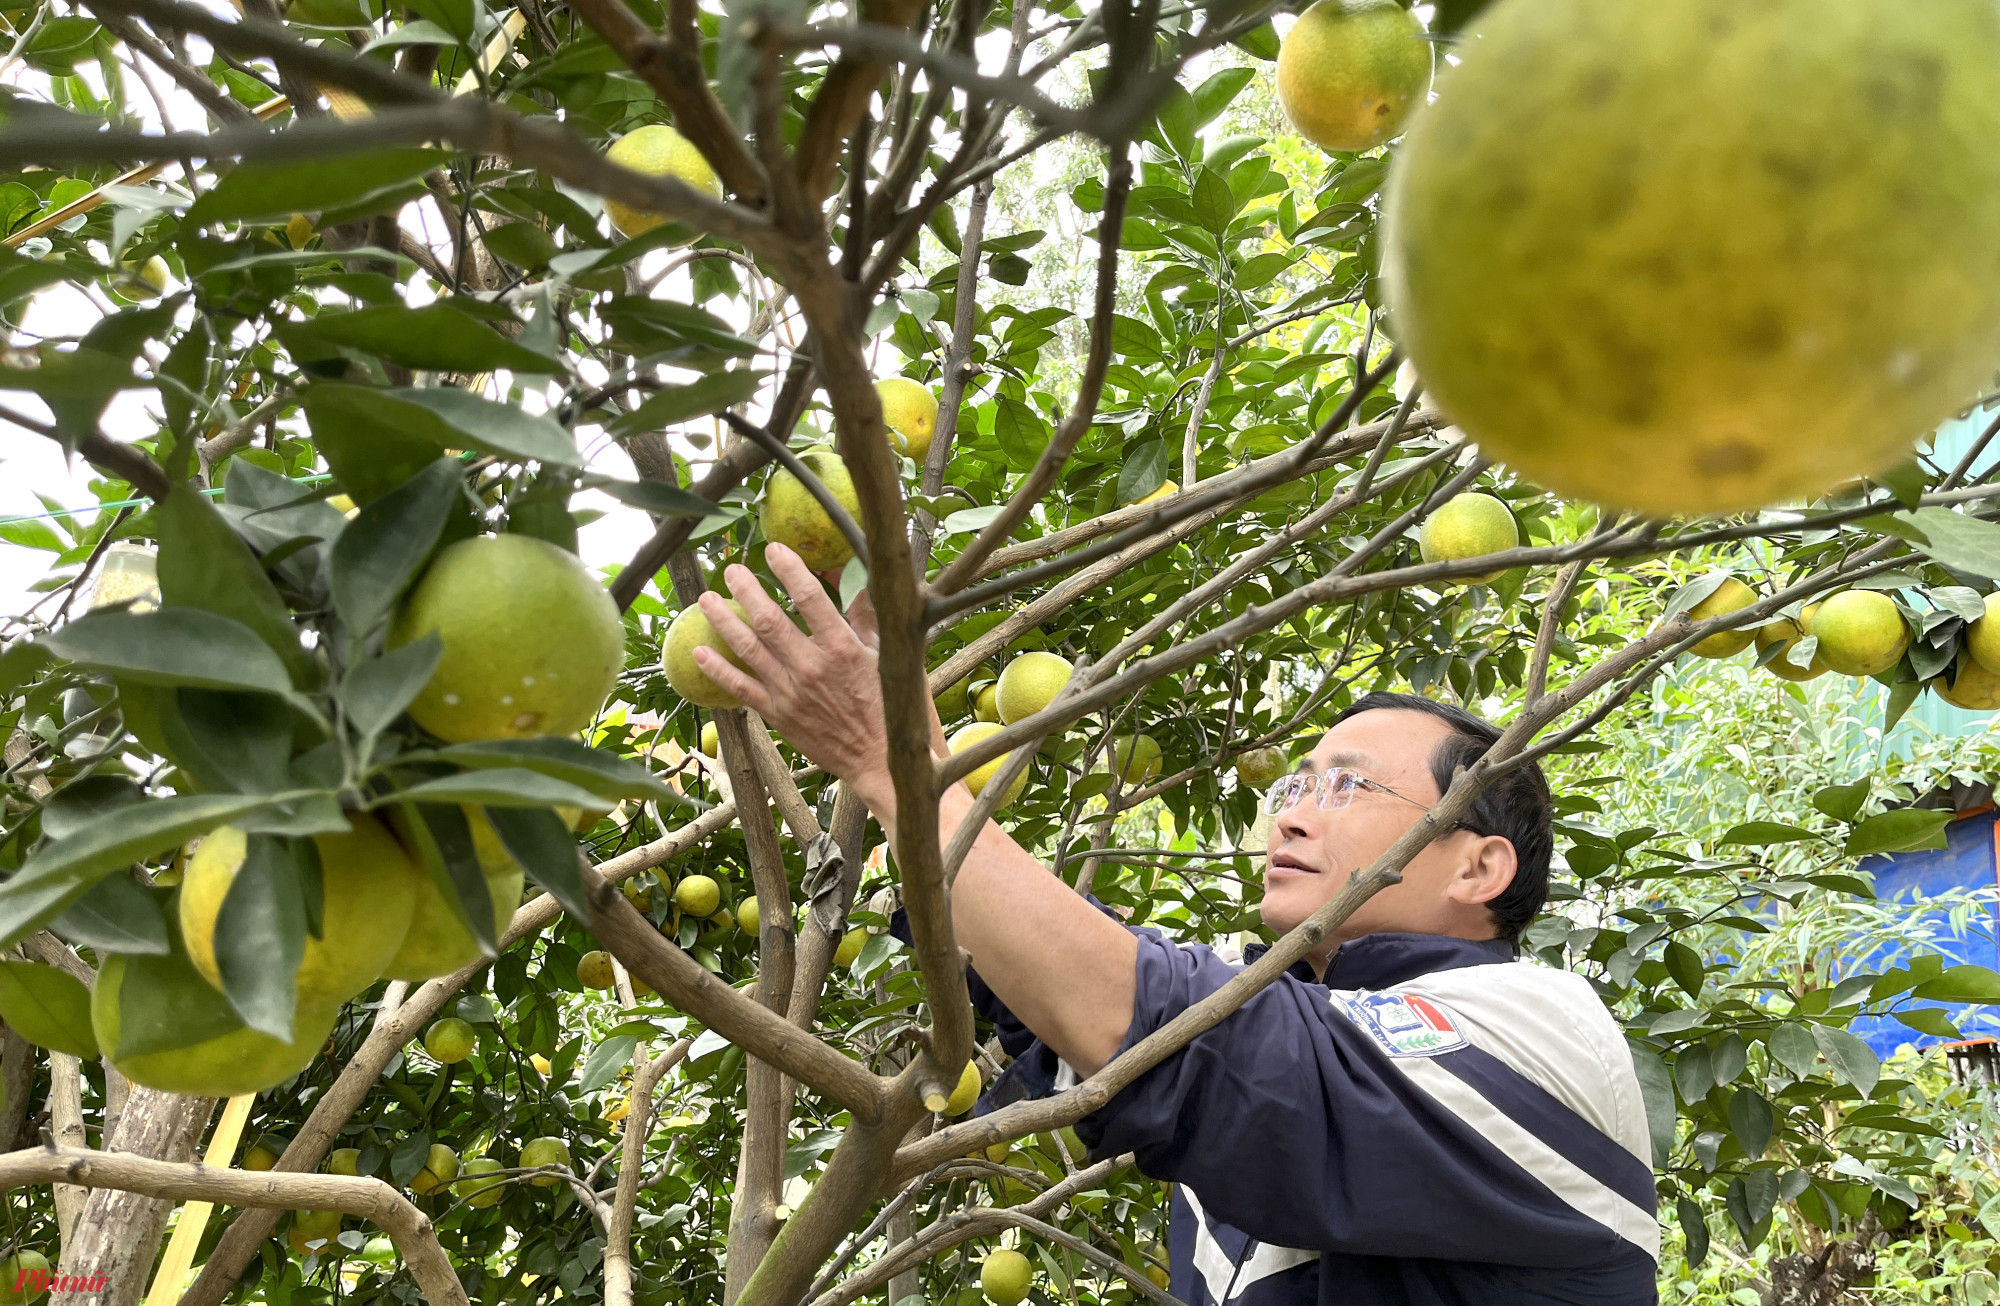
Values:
[(1336, 789)]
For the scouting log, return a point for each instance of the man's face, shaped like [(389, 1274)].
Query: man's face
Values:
[(1312, 852)]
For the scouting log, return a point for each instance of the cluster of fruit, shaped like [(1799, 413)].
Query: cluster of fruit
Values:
[(1856, 633), (478, 1181), (382, 915)]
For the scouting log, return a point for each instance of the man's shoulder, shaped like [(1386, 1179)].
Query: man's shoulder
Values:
[(1550, 1027)]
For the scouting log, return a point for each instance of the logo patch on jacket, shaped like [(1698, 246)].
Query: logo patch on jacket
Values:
[(1402, 1024)]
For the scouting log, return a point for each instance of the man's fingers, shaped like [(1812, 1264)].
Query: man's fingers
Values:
[(727, 676), (766, 619), (749, 645), (808, 595)]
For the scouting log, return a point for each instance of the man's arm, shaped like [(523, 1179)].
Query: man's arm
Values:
[(1057, 962)]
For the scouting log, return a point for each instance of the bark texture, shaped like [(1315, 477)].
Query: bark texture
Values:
[(118, 1233)]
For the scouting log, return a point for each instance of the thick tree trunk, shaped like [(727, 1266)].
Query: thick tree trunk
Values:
[(118, 1233), (17, 1077), (66, 1127)]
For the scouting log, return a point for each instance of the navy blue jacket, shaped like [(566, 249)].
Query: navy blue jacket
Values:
[(1436, 1124)]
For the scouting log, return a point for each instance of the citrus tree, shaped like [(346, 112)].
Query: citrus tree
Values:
[(362, 802)]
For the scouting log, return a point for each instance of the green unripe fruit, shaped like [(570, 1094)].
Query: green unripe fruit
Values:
[(449, 1041)]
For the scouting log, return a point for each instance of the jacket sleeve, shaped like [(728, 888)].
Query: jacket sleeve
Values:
[(1033, 1064), (1366, 1124)]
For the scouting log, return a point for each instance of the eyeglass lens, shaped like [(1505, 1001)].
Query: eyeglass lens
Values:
[(1336, 790)]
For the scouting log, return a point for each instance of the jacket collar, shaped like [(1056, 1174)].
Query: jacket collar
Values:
[(1378, 961)]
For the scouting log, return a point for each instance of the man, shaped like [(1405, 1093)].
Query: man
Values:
[(1408, 1116)]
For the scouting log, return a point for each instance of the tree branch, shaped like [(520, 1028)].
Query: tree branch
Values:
[(673, 68), (1048, 468), (368, 1199)]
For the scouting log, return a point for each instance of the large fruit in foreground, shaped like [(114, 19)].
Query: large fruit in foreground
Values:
[(793, 517), (1469, 526), (439, 941), (1703, 256), (658, 151), (1860, 632), (690, 630), (1029, 684), (368, 891), (532, 643), (1730, 596), (230, 1064), (1350, 71), (964, 738)]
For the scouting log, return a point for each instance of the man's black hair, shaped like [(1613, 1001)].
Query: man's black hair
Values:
[(1515, 807)]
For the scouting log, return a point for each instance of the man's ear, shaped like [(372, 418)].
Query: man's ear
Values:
[(1486, 872)]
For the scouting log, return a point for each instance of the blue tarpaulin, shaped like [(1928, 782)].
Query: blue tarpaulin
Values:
[(1970, 861)]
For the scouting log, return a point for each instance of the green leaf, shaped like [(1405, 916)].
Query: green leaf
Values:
[(523, 244), (173, 646), (236, 743), (33, 535), (377, 439), (163, 1003), (1656, 1085), (606, 1060), (1214, 203), (1851, 1059), (1218, 91), (277, 190), (47, 1007), (375, 692), (1961, 984), (437, 337), (546, 849), (1904, 830), (260, 934), (1694, 1229), (672, 333), (502, 787), (674, 404), (444, 841), (604, 774), (372, 443), (1929, 1020), (1022, 432), (1960, 542), (85, 801), (384, 548), (58, 872), (1794, 1048), (115, 915), (656, 497), (1842, 802), (1752, 1121), (1759, 833), (1145, 471), (1684, 966)]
